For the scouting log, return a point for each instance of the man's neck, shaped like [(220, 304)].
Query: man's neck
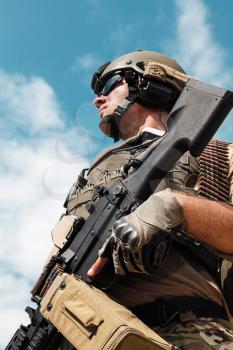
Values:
[(156, 120), (153, 119), (153, 131)]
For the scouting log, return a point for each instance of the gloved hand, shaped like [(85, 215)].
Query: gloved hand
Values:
[(140, 241)]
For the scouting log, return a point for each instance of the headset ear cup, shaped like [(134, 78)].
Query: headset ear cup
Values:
[(156, 95)]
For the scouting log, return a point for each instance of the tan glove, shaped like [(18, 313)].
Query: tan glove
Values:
[(140, 241)]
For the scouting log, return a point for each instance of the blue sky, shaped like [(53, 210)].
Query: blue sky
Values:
[(48, 126)]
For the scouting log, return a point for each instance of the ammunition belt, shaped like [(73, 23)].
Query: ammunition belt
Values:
[(214, 171)]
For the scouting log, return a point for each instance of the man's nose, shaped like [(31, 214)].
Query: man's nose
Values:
[(98, 101)]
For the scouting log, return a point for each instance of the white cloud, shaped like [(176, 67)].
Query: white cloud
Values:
[(85, 65), (120, 38), (195, 45), (29, 103), (26, 209), (86, 62), (35, 170), (13, 300), (120, 34), (196, 49)]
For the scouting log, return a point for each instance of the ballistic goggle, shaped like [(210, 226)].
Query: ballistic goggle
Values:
[(104, 88)]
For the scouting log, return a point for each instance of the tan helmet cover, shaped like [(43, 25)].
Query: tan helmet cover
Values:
[(136, 60)]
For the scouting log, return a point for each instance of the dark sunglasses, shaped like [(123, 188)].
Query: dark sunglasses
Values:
[(110, 84)]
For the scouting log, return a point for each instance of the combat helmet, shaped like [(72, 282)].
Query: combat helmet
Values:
[(154, 80)]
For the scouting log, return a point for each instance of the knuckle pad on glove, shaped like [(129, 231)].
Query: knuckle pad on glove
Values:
[(125, 233), (133, 238)]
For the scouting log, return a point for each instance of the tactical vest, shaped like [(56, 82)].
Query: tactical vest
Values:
[(183, 177)]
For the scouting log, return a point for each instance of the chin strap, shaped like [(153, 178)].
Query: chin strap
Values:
[(114, 120)]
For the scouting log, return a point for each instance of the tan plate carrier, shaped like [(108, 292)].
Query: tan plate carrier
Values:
[(90, 320)]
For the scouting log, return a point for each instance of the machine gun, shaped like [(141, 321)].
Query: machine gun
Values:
[(197, 114)]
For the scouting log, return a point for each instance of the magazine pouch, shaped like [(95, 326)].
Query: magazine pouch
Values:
[(89, 319)]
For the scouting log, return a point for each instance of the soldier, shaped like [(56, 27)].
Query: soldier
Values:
[(185, 294)]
